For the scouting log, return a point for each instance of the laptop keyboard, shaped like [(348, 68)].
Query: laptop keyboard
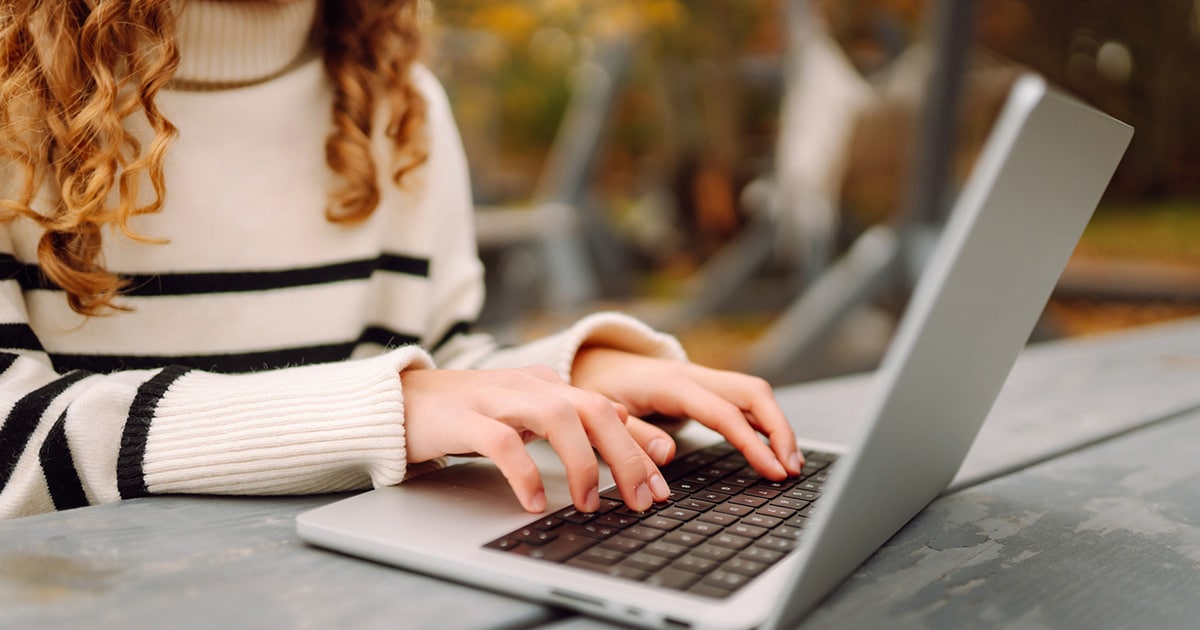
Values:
[(723, 526)]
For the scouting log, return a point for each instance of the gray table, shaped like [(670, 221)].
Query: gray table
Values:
[(1078, 507)]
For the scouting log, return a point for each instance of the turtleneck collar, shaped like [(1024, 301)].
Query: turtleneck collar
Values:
[(229, 43)]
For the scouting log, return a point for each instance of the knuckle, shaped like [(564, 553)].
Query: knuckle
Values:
[(588, 469), (506, 441), (541, 372), (759, 385), (598, 405), (633, 460), (561, 411)]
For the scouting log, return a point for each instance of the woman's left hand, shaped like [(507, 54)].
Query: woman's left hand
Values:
[(737, 406)]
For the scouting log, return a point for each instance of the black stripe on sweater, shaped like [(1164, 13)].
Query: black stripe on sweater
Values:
[(7, 359), (459, 328), (19, 337), (58, 467), (203, 283), (131, 476), (237, 363), (24, 418), (387, 338)]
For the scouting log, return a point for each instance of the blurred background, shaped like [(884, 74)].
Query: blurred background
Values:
[(705, 165)]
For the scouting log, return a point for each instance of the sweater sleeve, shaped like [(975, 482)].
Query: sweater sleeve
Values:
[(78, 438), (457, 274)]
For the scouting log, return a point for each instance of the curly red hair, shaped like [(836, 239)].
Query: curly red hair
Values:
[(72, 72)]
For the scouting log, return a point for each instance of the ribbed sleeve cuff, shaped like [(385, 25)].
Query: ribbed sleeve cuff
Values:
[(608, 329), (319, 428)]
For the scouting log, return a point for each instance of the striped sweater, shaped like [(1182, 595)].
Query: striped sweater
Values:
[(263, 346)]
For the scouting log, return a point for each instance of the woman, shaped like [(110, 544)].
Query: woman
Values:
[(237, 258)]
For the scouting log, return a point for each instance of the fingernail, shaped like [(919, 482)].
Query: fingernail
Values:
[(659, 487), (537, 503), (591, 503), (796, 461), (658, 450), (643, 498)]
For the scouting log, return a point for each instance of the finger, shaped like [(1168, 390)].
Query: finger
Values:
[(504, 446), (756, 398), (719, 414), (638, 479), (548, 412), (657, 443)]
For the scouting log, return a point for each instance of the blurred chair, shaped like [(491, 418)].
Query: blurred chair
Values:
[(793, 213), (891, 254), (543, 246)]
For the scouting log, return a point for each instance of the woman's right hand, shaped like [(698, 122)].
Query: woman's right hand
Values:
[(494, 413)]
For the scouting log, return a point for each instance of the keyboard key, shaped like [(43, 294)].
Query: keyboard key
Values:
[(719, 518), (775, 543), (503, 544), (695, 564), (803, 495), (645, 534), (673, 578), (799, 522), (622, 543), (810, 486), (710, 496), (559, 549), (727, 580), (741, 480), (646, 561), (693, 504), (531, 536), (749, 531), (677, 513), (761, 520), (701, 527), (745, 567), (616, 570), (594, 530), (665, 549), (659, 522), (575, 516), (791, 504), (602, 556), (759, 491), (742, 499), (733, 508), (686, 486), (620, 521), (760, 554), (687, 539), (550, 522), (713, 552), (731, 541), (724, 488), (777, 512), (791, 533)]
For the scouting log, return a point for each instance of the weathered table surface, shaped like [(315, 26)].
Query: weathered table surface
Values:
[(1078, 507)]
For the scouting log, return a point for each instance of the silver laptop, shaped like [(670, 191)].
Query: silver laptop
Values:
[(736, 551)]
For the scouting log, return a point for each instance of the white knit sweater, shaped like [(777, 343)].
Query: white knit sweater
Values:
[(263, 349)]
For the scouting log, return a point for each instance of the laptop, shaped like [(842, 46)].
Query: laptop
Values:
[(732, 550)]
